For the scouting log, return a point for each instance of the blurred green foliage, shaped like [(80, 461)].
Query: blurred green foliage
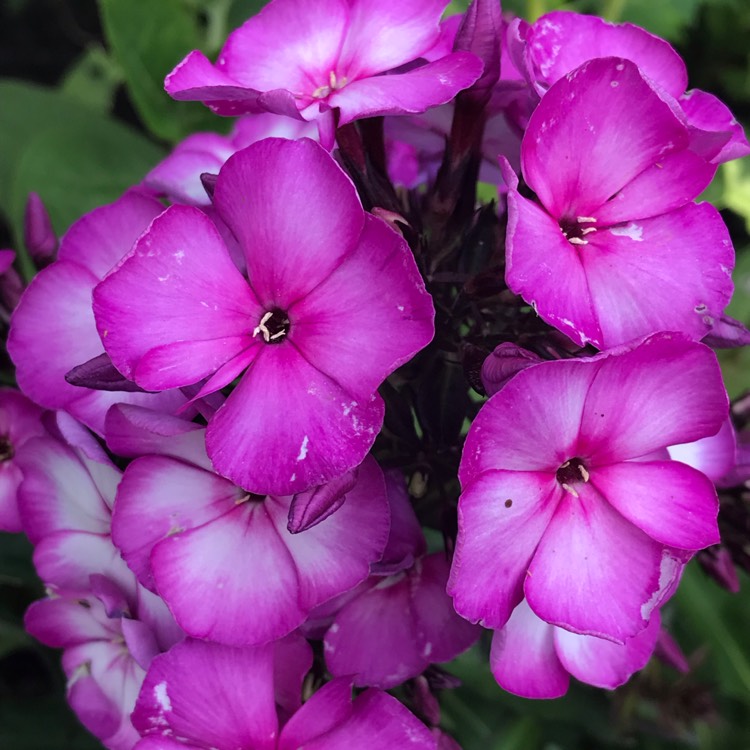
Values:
[(67, 144)]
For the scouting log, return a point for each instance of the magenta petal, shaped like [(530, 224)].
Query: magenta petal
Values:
[(668, 273), (547, 270), (328, 707), (374, 721), (377, 722), (53, 323), (156, 742), (706, 112), (605, 107), (288, 427), (211, 695), (512, 430), (10, 480), (295, 213), (561, 41), (178, 176), (196, 79), (133, 431), (374, 637), (666, 390), (407, 93), (97, 712), (335, 555), (159, 497), (606, 559), (671, 502), (293, 659), (602, 663), (442, 634), (185, 362), (388, 314), (506, 512), (178, 285), (523, 658), (384, 36), (231, 580), (666, 185), (58, 493), (713, 456), (140, 641), (64, 622), (287, 45), (100, 239), (68, 559)]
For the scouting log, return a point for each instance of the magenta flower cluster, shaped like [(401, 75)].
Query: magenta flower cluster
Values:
[(213, 447)]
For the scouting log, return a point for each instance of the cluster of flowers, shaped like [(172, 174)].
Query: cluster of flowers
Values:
[(204, 383)]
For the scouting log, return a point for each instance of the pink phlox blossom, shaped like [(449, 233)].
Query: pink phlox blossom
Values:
[(224, 559), (109, 635), (333, 303), (569, 498), (331, 61), (615, 249)]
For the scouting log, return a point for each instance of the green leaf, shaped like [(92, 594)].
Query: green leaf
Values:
[(241, 10), (712, 618), (149, 38), (93, 79), (74, 171), (76, 158)]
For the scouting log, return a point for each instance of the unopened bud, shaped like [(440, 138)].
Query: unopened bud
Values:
[(38, 235)]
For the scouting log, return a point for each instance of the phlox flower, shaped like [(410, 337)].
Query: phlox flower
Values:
[(333, 303), (204, 696), (615, 249), (568, 495), (109, 633), (307, 58), (225, 561)]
